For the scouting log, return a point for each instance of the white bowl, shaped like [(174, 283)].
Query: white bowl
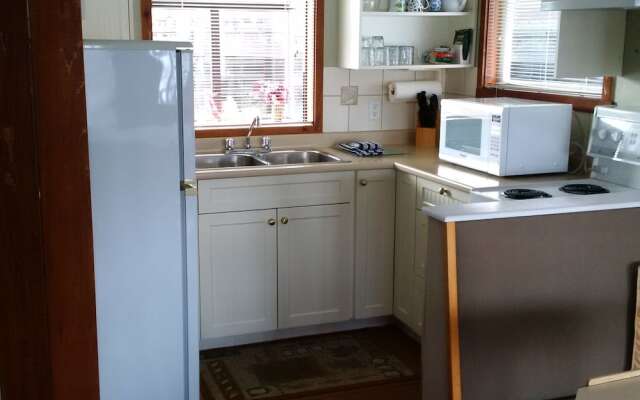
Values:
[(453, 5)]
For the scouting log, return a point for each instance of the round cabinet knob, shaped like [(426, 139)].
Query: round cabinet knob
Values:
[(445, 192), (284, 220), (364, 182), (271, 221)]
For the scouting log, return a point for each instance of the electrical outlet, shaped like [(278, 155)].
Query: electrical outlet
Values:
[(374, 109), (349, 95)]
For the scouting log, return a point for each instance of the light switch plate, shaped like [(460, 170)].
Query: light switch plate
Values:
[(349, 95), (374, 109)]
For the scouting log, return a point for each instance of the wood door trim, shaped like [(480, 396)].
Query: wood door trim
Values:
[(451, 267), (48, 339)]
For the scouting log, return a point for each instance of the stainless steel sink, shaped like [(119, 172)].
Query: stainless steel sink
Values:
[(278, 157), (298, 157), (207, 161)]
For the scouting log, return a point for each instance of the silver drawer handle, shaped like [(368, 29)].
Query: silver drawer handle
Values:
[(271, 221), (445, 192), (364, 182)]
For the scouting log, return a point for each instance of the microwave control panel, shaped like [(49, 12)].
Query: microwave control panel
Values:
[(495, 136)]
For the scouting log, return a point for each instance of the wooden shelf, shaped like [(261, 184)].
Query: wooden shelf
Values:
[(421, 67), (414, 14)]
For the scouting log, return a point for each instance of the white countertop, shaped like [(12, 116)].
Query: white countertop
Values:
[(425, 163), (534, 207), (422, 162)]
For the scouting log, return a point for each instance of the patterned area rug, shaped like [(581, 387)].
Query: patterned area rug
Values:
[(636, 343), (288, 368)]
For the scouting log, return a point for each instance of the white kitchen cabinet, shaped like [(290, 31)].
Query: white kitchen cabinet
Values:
[(315, 265), (411, 242), (238, 273), (110, 19), (404, 247), (275, 252), (262, 192), (420, 257), (435, 194), (375, 216), (423, 30), (417, 319)]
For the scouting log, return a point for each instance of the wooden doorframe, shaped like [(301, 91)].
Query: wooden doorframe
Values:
[(48, 342)]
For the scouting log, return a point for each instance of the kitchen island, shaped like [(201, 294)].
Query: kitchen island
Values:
[(527, 304)]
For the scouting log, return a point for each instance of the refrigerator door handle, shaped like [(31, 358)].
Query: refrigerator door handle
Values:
[(189, 187)]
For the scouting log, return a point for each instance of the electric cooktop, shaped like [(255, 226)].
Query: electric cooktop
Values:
[(541, 190)]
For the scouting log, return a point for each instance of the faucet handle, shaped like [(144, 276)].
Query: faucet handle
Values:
[(229, 144), (266, 143)]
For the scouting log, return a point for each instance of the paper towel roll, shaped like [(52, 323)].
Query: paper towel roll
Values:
[(407, 91)]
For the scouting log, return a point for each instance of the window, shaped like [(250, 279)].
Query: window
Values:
[(251, 57), (520, 49)]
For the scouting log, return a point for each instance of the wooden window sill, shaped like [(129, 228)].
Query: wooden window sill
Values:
[(271, 131), (583, 104)]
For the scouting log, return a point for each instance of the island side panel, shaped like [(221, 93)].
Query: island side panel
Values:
[(545, 302), (436, 383)]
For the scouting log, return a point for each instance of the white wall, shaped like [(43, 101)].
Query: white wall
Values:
[(628, 86), (120, 19), (111, 19)]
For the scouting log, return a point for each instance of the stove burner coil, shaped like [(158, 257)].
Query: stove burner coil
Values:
[(525, 194), (583, 189)]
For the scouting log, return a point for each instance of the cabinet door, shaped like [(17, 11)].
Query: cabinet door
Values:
[(375, 216), (237, 273), (420, 259), (416, 324), (110, 19), (435, 194), (315, 265), (405, 242), (420, 256)]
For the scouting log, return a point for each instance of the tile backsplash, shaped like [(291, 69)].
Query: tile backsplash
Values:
[(372, 111)]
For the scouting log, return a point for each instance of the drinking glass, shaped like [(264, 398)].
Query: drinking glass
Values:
[(393, 55), (367, 55), (379, 56), (377, 41), (406, 55), (370, 5), (397, 5)]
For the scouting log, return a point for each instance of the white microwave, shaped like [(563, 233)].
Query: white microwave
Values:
[(505, 136)]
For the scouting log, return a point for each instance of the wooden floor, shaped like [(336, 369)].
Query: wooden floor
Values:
[(403, 347)]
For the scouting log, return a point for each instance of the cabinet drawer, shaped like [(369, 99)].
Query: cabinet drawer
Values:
[(265, 192), (436, 194)]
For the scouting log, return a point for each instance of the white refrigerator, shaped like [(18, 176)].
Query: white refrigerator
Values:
[(141, 156)]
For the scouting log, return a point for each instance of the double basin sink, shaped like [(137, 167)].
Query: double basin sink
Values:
[(279, 157)]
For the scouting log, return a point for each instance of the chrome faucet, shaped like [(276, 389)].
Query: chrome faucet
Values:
[(229, 143), (254, 124)]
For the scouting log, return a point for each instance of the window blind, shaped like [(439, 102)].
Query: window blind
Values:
[(523, 49), (250, 58)]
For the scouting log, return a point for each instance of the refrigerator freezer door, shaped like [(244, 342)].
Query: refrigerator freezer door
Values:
[(190, 200), (133, 111)]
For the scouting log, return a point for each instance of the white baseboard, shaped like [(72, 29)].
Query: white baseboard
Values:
[(229, 341)]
